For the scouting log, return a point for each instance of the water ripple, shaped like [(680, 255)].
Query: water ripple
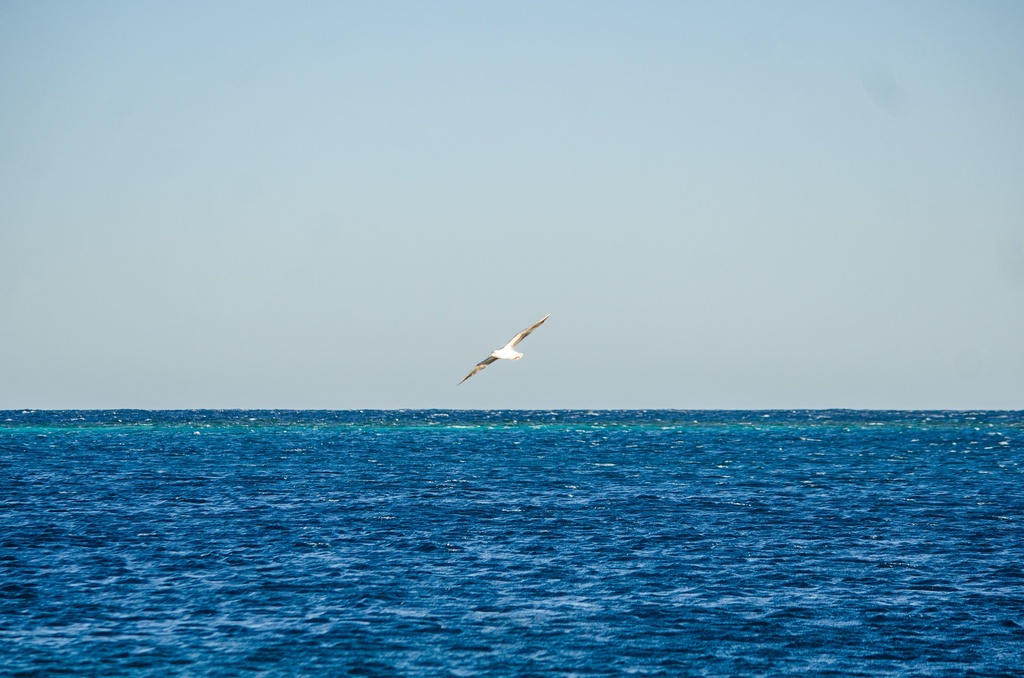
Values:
[(467, 543)]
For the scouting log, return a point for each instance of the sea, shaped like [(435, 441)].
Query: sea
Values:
[(511, 543)]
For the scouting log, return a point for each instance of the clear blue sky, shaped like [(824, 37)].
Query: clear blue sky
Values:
[(347, 205)]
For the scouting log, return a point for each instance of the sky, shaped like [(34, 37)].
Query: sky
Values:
[(348, 205)]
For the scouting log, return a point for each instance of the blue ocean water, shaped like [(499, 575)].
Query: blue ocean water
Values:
[(509, 543)]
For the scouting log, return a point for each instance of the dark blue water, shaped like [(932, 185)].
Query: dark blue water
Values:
[(510, 543)]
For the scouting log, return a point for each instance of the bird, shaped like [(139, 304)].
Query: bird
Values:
[(506, 352)]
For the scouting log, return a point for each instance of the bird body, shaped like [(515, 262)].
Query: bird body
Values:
[(506, 352)]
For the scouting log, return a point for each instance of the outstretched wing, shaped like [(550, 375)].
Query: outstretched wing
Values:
[(479, 366), (525, 333)]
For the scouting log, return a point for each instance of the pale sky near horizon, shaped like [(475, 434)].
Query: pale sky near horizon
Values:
[(347, 205)]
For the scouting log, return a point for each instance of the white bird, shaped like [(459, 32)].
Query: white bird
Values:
[(506, 352)]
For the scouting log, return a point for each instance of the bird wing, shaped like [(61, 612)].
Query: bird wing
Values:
[(525, 333), (479, 366)]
